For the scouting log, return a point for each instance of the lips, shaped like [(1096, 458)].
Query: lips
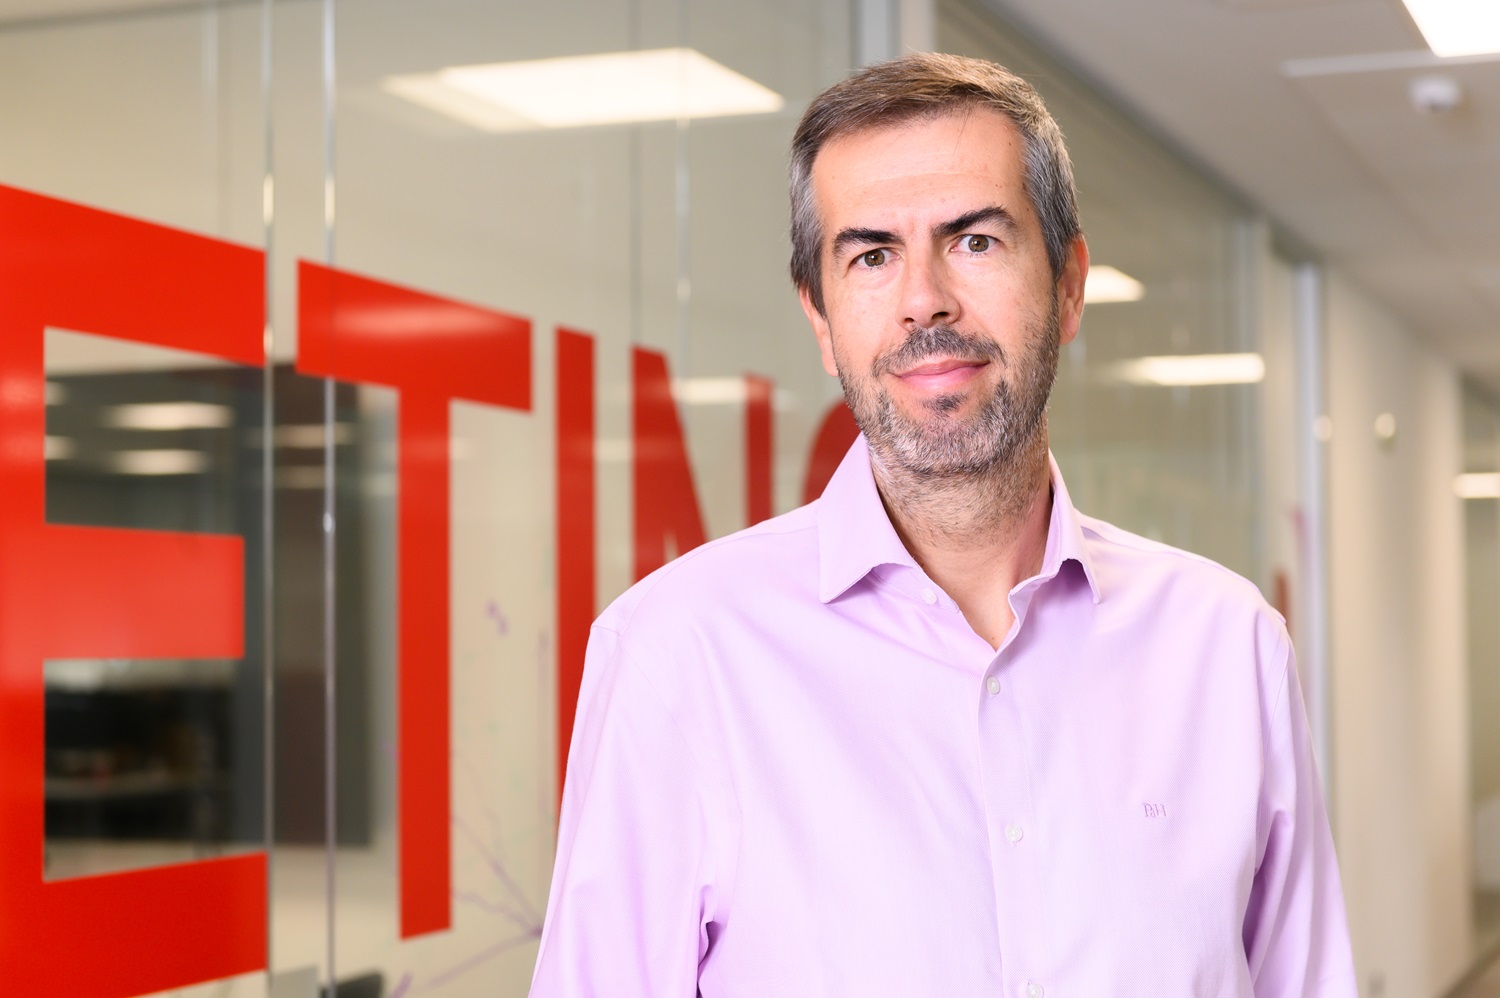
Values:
[(942, 374), (941, 366)]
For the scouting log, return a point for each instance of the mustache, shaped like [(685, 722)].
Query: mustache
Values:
[(937, 341)]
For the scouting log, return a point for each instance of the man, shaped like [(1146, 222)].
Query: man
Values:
[(938, 733)]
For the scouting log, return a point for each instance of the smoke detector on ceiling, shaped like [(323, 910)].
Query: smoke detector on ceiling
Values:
[(1435, 94)]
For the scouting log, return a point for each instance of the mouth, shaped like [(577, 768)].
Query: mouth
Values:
[(942, 374)]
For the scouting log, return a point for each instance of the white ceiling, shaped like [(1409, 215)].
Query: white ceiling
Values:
[(1406, 204)]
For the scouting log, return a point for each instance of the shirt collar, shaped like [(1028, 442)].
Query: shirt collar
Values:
[(855, 534), (1065, 539)]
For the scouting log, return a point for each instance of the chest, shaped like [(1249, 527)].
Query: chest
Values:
[(910, 826)]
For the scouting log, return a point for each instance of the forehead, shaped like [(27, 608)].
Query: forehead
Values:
[(962, 160)]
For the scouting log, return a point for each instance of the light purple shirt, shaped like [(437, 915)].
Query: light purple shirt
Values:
[(796, 771)]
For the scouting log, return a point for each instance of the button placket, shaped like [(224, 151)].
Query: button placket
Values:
[(1009, 811)]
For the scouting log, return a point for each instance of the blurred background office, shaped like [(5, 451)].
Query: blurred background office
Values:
[(414, 333)]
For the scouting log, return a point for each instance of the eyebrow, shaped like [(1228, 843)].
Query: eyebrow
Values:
[(860, 237), (856, 236), (993, 213)]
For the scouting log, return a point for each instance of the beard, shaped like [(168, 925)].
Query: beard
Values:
[(940, 441)]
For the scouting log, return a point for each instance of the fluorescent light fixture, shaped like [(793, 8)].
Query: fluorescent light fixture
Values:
[(1107, 284), (1457, 27), (168, 416), (305, 436), (59, 448), (159, 462), (1193, 369), (709, 391), (609, 88), (1477, 485)]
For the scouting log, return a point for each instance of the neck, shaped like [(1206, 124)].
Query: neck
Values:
[(976, 534)]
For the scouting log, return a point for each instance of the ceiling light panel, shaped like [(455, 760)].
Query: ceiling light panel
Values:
[(610, 88), (1477, 485), (159, 462), (168, 416), (1179, 370), (1107, 284), (1458, 27)]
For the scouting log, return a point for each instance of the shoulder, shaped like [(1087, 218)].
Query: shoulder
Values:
[(777, 558), (1186, 601), (1131, 562)]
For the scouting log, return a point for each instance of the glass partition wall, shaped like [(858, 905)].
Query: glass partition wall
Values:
[(1479, 487), (358, 353)]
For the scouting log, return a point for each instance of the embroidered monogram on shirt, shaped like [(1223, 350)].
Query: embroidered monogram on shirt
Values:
[(1155, 810)]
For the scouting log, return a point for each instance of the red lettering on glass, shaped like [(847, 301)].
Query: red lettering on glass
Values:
[(432, 350), (575, 526), (758, 448), (72, 592), (666, 503), (837, 431), (82, 592)]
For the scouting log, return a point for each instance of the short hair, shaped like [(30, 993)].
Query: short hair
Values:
[(916, 87)]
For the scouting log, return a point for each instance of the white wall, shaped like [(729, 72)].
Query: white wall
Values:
[(1399, 697)]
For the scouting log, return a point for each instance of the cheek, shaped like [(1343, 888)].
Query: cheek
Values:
[(825, 349)]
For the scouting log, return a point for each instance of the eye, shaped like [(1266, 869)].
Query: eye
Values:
[(873, 258), (978, 244)]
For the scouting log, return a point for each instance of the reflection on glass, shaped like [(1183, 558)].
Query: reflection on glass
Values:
[(152, 761), (138, 762)]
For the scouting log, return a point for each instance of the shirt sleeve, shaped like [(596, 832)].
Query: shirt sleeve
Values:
[(633, 888), (1296, 934)]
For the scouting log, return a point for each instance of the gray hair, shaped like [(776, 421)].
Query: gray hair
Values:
[(928, 85)]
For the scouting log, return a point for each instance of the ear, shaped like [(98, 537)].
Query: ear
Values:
[(1070, 290), (821, 330)]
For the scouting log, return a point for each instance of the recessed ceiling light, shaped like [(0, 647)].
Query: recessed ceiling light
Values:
[(609, 88), (168, 416), (158, 462), (1457, 27), (1435, 93), (1193, 369), (1107, 284), (1477, 485)]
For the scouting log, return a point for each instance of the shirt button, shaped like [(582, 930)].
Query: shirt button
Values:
[(929, 597), (1034, 990), (1014, 833), (993, 685)]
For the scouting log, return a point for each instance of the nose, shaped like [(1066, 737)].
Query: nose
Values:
[(927, 297)]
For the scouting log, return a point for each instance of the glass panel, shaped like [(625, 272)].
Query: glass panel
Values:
[(1481, 487), (666, 235), (132, 681), (1145, 447)]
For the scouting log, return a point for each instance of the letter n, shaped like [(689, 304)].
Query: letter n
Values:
[(666, 504)]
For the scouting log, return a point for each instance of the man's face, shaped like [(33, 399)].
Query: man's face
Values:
[(943, 320)]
